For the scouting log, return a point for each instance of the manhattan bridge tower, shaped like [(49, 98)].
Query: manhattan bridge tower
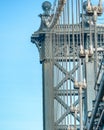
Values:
[(70, 42)]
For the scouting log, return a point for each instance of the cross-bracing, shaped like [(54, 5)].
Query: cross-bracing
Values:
[(71, 47)]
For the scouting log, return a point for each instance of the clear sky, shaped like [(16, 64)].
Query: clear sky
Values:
[(20, 70)]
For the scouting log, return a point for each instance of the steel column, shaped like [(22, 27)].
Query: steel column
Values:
[(48, 97)]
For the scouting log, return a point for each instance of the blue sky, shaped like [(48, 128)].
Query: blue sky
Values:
[(20, 70)]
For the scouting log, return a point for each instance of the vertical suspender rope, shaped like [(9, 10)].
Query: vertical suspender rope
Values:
[(77, 35), (58, 60), (100, 39), (80, 77), (73, 40), (95, 45), (73, 46), (68, 46), (79, 22), (66, 56), (60, 42), (64, 60), (58, 75), (90, 33), (79, 31)]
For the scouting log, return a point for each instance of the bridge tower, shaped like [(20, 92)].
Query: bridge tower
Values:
[(71, 47)]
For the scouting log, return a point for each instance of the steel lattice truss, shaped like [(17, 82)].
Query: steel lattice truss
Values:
[(71, 47)]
